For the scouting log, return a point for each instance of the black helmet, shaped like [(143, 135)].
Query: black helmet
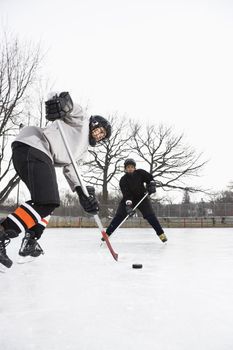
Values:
[(129, 161), (96, 121)]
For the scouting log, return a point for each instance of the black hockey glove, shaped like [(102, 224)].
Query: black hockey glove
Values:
[(89, 204), (59, 106), (151, 187), (129, 209)]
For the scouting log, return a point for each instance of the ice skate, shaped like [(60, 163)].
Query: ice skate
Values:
[(163, 237), (4, 259), (30, 246), (5, 236)]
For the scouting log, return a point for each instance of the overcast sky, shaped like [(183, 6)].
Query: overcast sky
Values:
[(154, 60)]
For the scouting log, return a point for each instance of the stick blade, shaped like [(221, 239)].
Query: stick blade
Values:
[(105, 236)]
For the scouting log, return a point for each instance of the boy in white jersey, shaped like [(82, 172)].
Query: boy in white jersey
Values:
[(35, 153)]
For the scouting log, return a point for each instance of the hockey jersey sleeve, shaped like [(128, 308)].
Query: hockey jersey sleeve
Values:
[(146, 177), (71, 176), (127, 194), (75, 118)]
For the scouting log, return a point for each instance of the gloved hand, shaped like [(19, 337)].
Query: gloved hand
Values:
[(89, 204), (129, 209), (151, 187), (58, 106)]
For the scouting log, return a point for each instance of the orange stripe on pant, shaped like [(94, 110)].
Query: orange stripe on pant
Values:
[(25, 217)]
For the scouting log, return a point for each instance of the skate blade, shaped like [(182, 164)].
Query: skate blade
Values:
[(25, 259)]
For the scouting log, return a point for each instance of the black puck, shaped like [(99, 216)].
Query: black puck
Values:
[(137, 266)]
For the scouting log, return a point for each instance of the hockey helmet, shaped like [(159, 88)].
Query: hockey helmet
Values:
[(96, 121), (129, 161)]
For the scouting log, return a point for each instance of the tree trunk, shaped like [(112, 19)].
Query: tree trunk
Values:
[(105, 189)]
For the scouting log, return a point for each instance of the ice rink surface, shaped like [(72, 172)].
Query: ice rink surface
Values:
[(77, 297)]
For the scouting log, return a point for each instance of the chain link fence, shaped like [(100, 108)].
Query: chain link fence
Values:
[(170, 215), (179, 210), (194, 210), (162, 210)]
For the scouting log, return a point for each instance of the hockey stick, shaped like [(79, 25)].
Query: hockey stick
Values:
[(122, 222), (83, 186)]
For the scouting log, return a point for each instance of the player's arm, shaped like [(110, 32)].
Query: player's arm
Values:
[(127, 196), (90, 204), (149, 180), (59, 106)]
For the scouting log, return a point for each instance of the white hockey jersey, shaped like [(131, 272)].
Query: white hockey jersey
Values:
[(49, 141)]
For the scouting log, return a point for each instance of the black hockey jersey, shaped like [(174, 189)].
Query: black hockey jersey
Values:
[(132, 185)]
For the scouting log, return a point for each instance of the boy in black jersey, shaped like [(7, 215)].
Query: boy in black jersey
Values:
[(133, 189)]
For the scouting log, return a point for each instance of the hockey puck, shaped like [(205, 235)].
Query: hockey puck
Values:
[(137, 266)]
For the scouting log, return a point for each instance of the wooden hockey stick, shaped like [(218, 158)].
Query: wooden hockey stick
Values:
[(83, 186), (122, 222)]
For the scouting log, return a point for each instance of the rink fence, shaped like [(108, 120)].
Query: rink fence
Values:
[(174, 215), (189, 222)]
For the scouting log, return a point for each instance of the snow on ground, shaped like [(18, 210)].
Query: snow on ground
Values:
[(77, 297)]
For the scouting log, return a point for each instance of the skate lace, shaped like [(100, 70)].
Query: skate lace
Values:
[(3, 245), (38, 247), (32, 243)]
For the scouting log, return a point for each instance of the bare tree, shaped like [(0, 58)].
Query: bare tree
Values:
[(186, 197), (170, 161), (19, 63), (105, 158)]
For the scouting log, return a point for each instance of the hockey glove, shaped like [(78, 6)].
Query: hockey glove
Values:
[(128, 208), (59, 106), (151, 187), (89, 204)]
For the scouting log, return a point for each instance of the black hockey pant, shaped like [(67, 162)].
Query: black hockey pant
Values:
[(145, 208), (35, 168)]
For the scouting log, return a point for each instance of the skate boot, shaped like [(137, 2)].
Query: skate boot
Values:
[(30, 246), (5, 236), (163, 237)]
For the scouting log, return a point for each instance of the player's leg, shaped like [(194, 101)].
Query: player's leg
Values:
[(148, 213), (30, 245), (37, 171), (118, 218)]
